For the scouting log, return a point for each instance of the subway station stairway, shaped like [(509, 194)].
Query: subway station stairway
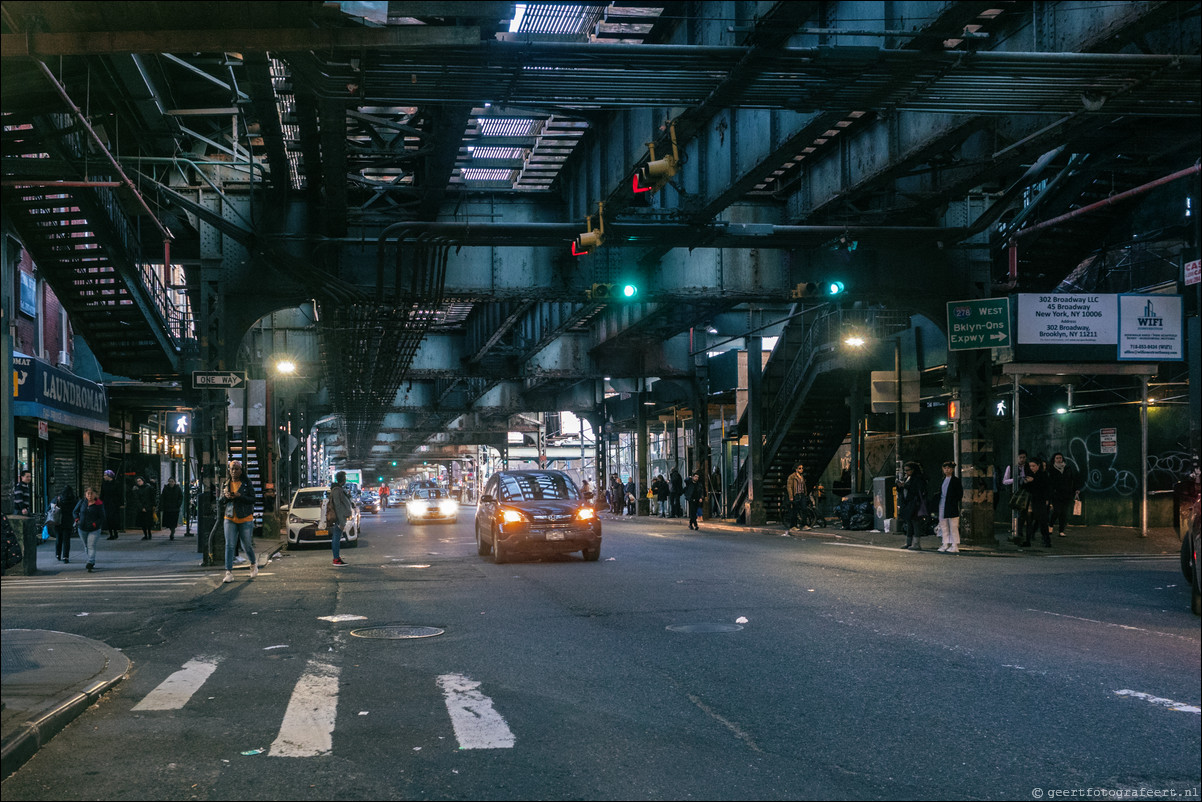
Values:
[(86, 244), (804, 391)]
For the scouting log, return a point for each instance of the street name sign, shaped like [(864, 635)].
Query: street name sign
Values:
[(981, 323), (218, 379)]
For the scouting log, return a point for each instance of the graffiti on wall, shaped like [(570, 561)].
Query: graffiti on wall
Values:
[(1102, 473)]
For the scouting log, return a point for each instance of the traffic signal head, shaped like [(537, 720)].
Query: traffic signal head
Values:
[(834, 287), (652, 176), (590, 239), (613, 292)]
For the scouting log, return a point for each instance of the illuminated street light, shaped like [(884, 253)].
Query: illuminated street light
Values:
[(855, 341), (285, 366)]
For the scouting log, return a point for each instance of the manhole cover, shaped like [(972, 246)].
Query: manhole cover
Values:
[(705, 628), (397, 632)]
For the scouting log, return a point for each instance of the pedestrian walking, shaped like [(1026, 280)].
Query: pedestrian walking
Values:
[(110, 494), (694, 492), (23, 494), (586, 492), (64, 504), (143, 497), (631, 497), (912, 504), (1064, 488), (171, 501), (238, 500), (89, 517), (660, 487), (338, 510), (951, 492)]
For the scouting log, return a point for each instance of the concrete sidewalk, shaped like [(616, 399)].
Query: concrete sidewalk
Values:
[(1079, 541), (48, 678)]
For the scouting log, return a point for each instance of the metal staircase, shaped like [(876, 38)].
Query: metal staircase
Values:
[(805, 386), (88, 249)]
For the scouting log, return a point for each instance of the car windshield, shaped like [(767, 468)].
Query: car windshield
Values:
[(429, 494), (308, 498), (535, 487)]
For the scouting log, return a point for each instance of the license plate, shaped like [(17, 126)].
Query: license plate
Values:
[(554, 535), (323, 531)]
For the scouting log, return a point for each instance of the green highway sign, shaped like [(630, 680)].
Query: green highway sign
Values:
[(983, 323)]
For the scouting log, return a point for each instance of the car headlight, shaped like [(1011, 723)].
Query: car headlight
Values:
[(512, 517), (585, 514), (448, 507), (295, 519), (417, 507)]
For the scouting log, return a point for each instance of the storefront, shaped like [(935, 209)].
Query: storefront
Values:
[(60, 421)]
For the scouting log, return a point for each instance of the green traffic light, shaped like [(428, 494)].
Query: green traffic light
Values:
[(834, 287), (629, 290)]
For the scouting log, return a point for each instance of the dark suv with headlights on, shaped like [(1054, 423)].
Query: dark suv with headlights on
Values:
[(535, 513)]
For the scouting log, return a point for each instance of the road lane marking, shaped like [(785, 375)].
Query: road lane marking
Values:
[(175, 691), (477, 725), (1119, 626), (898, 549), (1156, 700), (725, 722), (308, 726)]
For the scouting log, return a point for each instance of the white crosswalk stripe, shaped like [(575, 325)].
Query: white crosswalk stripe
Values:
[(175, 691), (308, 726), (477, 725)]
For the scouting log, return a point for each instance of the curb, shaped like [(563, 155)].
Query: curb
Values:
[(30, 736)]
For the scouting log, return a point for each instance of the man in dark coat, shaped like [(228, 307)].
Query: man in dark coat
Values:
[(676, 490), (170, 503), (143, 496), (110, 494)]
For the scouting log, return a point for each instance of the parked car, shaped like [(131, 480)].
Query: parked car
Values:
[(535, 512), (307, 518), (431, 504)]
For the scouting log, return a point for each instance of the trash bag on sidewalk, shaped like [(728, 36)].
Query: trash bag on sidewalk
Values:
[(855, 512), (11, 550)]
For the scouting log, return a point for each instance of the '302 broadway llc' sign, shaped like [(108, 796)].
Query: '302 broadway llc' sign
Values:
[(1147, 328)]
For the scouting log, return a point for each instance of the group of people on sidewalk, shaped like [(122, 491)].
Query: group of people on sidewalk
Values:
[(98, 511), (670, 495), (1042, 496)]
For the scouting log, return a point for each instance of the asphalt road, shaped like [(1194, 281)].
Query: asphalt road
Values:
[(680, 666)]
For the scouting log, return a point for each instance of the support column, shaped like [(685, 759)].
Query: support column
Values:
[(976, 468), (640, 467), (757, 515)]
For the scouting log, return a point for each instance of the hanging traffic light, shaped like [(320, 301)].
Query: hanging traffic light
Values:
[(825, 289), (652, 176), (613, 292), (588, 240)]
